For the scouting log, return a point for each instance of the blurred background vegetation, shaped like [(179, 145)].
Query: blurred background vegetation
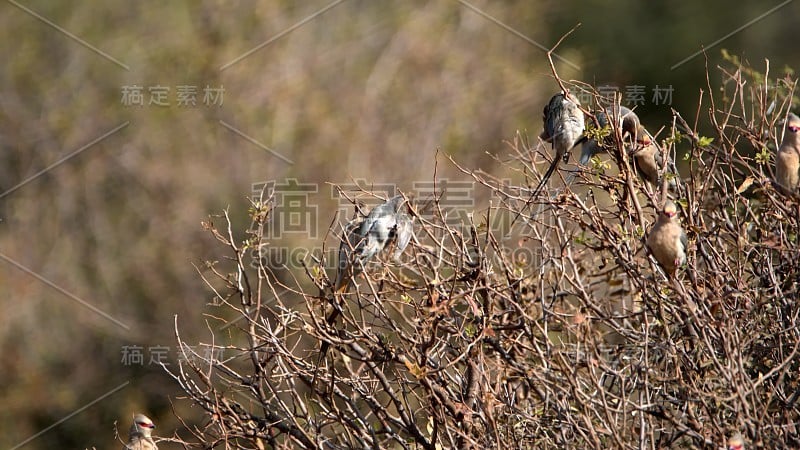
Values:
[(366, 90)]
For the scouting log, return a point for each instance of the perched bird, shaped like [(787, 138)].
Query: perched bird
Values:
[(381, 227), (628, 126), (563, 128), (787, 161), (386, 224), (139, 435), (647, 156), (667, 240), (735, 442)]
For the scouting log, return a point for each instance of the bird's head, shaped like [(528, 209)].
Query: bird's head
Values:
[(642, 137), (630, 121), (735, 442), (142, 425), (670, 210), (793, 123)]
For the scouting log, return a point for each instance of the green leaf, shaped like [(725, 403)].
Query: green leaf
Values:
[(470, 330), (704, 141), (762, 157), (674, 139)]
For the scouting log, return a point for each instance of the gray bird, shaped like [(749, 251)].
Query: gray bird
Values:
[(628, 128), (647, 156), (563, 128), (386, 224), (139, 435), (381, 226), (667, 240), (787, 160)]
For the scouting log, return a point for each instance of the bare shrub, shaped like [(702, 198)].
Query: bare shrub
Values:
[(556, 331)]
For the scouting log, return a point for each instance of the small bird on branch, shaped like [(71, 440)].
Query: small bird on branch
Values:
[(139, 434), (563, 129), (667, 240), (787, 160), (627, 123), (385, 227)]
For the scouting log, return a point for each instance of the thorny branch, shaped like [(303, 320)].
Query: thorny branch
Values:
[(559, 333)]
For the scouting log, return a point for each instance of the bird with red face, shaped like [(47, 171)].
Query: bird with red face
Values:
[(667, 240), (647, 156), (736, 442), (139, 436), (787, 161)]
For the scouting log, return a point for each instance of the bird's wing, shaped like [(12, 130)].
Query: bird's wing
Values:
[(381, 213), (546, 134), (650, 243), (404, 231), (659, 157), (684, 240), (350, 243), (552, 123), (646, 160), (374, 234), (602, 119), (589, 148)]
